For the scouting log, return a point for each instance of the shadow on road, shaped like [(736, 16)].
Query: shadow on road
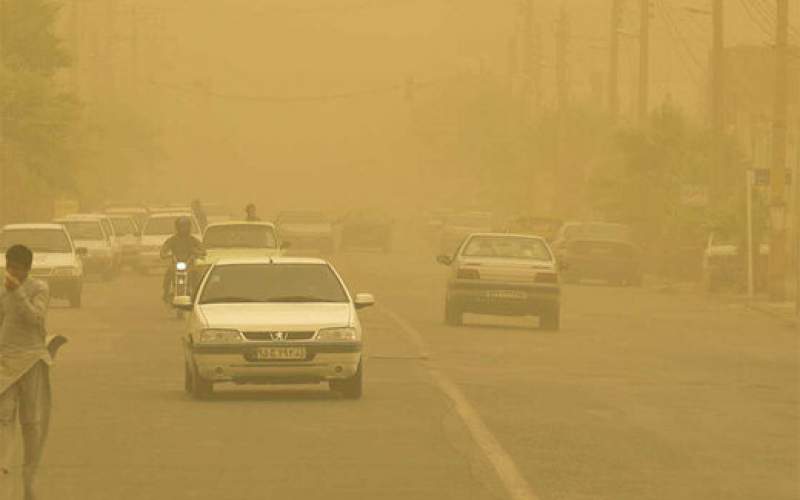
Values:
[(264, 395)]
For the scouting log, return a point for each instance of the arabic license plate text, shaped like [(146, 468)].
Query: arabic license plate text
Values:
[(273, 353)]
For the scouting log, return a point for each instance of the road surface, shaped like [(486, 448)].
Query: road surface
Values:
[(644, 394)]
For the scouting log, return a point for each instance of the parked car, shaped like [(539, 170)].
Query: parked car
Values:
[(240, 239), (306, 230), (367, 229), (271, 321), (56, 259), (139, 213), (725, 263), (599, 251), (503, 274), (157, 229), (89, 232), (458, 226)]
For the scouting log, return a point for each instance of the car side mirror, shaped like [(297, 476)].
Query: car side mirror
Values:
[(81, 252), (183, 302), (363, 300), (444, 260)]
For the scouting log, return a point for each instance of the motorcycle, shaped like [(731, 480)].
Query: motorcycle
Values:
[(181, 287)]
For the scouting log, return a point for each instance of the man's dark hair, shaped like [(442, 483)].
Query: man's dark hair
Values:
[(20, 255)]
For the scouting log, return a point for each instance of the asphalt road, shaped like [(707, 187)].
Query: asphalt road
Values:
[(642, 395)]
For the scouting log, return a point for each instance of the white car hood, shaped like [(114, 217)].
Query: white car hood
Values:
[(259, 317), (306, 228), (47, 260)]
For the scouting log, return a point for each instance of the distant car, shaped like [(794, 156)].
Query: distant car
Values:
[(458, 226), (139, 213), (272, 321), (56, 260), (725, 263), (240, 240), (157, 229), (306, 230), (599, 251), (89, 232), (503, 274), (546, 227), (367, 229), (129, 236)]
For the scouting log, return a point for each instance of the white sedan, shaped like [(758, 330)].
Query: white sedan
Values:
[(276, 320)]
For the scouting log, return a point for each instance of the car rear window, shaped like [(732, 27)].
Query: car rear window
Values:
[(508, 248), (38, 240), (85, 230)]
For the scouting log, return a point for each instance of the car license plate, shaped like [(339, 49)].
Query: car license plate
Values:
[(507, 294), (273, 353)]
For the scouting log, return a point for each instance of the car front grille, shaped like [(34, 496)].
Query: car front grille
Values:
[(278, 336)]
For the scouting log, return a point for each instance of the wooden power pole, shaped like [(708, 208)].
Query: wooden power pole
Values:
[(613, 63), (778, 212), (644, 62)]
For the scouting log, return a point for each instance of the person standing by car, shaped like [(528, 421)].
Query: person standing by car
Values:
[(250, 210), (24, 363), (200, 214), (182, 247)]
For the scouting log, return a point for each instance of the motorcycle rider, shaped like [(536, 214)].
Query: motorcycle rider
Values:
[(182, 247)]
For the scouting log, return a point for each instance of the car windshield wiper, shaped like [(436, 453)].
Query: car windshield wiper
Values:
[(230, 300), (300, 298)]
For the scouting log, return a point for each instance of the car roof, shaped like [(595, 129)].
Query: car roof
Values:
[(240, 223), (164, 215), (45, 226), (86, 217), (508, 235), (270, 260)]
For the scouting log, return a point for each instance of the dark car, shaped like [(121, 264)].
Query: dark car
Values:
[(599, 251), (367, 229)]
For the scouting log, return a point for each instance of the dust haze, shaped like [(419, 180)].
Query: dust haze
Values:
[(400, 249)]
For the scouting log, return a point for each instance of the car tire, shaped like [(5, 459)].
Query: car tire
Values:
[(75, 296), (550, 320), (200, 387), (351, 388), (453, 315)]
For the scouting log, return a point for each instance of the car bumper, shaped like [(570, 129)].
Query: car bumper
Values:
[(238, 363), (503, 298)]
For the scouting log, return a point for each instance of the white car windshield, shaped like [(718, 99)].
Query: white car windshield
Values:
[(123, 225), (84, 230), (505, 247), (293, 283), (38, 240), (240, 236)]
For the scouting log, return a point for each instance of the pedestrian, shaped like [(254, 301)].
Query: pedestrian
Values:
[(250, 210), (24, 363)]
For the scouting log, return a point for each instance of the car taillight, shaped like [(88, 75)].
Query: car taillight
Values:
[(546, 278), (466, 273)]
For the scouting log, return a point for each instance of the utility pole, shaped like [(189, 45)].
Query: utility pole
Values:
[(644, 61), (613, 63), (717, 99), (777, 202), (3, 160), (562, 35)]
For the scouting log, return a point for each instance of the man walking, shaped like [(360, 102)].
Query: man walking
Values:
[(24, 363)]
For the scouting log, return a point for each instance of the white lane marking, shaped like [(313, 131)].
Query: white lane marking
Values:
[(507, 471)]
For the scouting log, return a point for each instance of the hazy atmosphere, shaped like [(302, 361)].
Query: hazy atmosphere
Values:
[(524, 249)]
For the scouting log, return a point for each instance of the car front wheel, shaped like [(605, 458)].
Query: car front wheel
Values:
[(453, 314), (550, 320), (197, 386), (350, 388)]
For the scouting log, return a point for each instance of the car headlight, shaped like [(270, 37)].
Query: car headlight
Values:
[(64, 271), (344, 333), (219, 336)]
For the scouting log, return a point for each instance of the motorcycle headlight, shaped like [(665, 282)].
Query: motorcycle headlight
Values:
[(219, 336), (345, 333), (181, 266), (64, 271)]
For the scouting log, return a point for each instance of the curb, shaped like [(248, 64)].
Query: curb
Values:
[(789, 321)]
